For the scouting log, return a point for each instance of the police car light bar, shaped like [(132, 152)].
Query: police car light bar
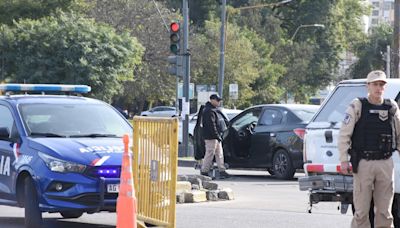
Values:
[(45, 88)]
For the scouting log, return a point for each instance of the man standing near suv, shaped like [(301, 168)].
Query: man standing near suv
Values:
[(368, 135), (213, 127)]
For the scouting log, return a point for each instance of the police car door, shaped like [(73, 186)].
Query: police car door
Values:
[(7, 157)]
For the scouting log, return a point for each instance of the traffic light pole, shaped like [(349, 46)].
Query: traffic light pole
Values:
[(186, 77)]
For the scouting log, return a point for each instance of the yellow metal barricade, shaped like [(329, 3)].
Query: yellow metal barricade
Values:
[(155, 148)]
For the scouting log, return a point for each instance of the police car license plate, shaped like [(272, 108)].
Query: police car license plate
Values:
[(112, 188)]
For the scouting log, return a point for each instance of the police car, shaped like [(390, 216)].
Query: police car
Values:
[(58, 153)]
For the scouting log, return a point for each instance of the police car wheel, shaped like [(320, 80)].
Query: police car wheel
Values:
[(33, 215), (282, 165), (71, 214)]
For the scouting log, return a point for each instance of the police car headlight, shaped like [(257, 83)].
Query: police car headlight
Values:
[(58, 165)]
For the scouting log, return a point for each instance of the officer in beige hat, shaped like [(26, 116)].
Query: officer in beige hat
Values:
[(368, 135)]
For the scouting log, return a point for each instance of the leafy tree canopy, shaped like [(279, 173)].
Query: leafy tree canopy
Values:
[(371, 52), (260, 55), (145, 20), (247, 59), (69, 49), (199, 11), (11, 10), (311, 59)]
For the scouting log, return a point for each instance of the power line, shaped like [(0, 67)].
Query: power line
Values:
[(265, 5), (162, 18)]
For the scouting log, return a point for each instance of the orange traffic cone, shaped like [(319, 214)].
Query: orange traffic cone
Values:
[(126, 202)]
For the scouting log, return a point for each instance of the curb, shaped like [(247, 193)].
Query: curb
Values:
[(186, 163)]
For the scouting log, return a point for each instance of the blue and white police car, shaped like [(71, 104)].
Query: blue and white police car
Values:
[(58, 153)]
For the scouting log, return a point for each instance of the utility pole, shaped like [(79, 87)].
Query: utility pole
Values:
[(222, 50), (396, 41), (186, 77), (388, 61)]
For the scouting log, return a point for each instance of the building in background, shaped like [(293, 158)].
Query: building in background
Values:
[(382, 12)]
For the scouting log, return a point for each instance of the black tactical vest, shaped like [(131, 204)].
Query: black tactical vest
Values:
[(371, 126)]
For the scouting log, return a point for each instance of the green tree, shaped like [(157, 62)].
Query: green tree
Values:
[(142, 18), (297, 58), (342, 31), (266, 85), (199, 11), (324, 47), (69, 49), (371, 51), (11, 10), (247, 59)]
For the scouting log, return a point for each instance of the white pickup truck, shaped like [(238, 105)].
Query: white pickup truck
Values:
[(321, 156)]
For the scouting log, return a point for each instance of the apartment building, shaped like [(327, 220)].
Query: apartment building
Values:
[(382, 12)]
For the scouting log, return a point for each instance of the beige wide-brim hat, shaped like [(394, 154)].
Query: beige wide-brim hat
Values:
[(376, 75)]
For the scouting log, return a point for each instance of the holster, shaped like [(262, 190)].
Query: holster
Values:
[(354, 159)]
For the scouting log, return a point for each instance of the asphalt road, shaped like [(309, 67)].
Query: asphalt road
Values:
[(260, 201)]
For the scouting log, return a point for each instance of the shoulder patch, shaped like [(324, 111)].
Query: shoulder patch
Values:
[(347, 118)]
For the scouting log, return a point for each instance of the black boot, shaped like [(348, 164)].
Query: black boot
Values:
[(224, 175)]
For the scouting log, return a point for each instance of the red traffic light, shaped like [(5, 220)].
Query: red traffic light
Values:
[(174, 37), (174, 27)]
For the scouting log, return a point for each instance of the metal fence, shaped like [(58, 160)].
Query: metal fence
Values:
[(155, 148)]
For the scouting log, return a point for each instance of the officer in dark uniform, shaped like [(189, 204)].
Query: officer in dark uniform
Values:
[(368, 135)]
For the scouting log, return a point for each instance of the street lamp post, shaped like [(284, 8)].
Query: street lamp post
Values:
[(305, 26), (291, 43)]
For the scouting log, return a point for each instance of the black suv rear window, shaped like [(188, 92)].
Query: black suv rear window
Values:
[(334, 109)]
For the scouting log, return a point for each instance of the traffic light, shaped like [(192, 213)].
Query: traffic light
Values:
[(174, 37), (176, 67)]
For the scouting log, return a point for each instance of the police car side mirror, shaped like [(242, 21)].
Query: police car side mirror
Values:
[(4, 133)]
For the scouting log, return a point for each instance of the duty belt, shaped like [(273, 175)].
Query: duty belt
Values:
[(375, 155)]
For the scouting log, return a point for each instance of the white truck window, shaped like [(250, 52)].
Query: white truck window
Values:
[(334, 109)]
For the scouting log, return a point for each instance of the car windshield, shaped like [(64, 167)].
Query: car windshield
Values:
[(334, 110), (306, 114), (73, 120)]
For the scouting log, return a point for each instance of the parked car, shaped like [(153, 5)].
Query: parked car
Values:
[(192, 123), (267, 137), (230, 113), (161, 111)]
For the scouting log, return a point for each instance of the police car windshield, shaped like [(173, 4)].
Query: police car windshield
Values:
[(73, 120)]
